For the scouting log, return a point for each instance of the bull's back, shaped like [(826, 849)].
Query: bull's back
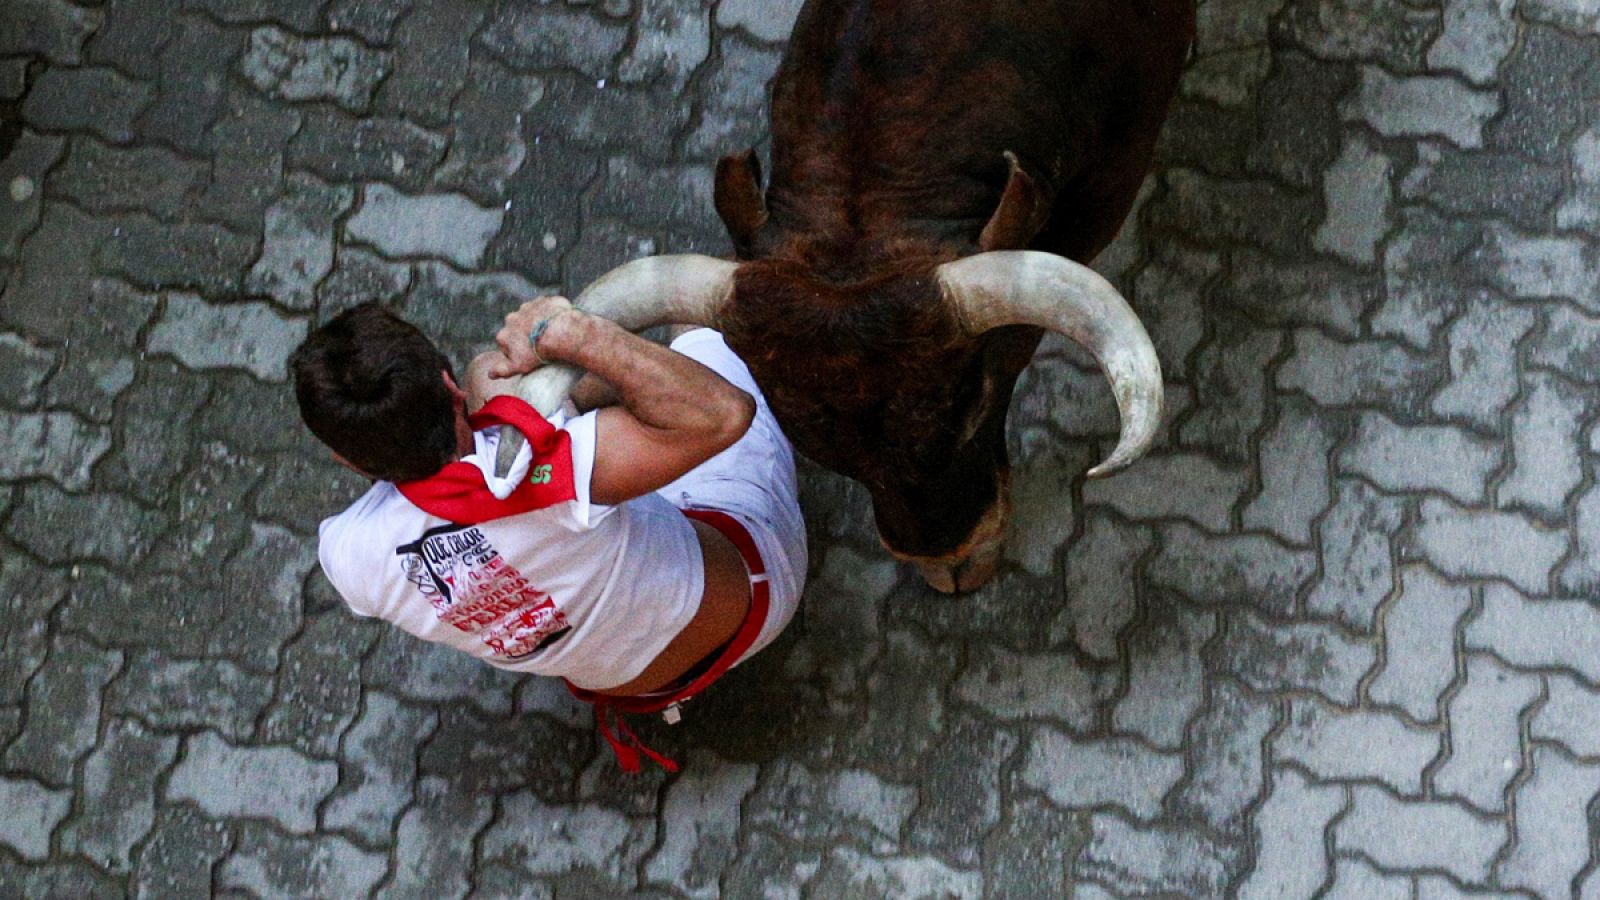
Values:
[(895, 115)]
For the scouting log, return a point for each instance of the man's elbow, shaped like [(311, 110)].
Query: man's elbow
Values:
[(736, 412)]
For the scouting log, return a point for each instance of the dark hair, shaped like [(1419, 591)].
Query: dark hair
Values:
[(369, 387)]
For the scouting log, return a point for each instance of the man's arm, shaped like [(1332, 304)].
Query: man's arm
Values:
[(675, 412)]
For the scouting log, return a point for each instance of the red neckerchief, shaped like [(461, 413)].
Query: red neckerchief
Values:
[(458, 492)]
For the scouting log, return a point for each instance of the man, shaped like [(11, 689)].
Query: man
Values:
[(637, 550)]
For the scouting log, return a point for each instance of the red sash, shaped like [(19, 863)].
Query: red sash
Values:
[(458, 493), (624, 743)]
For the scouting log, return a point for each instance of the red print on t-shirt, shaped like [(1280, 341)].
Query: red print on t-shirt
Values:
[(473, 589)]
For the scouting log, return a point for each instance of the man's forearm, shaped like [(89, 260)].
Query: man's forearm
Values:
[(660, 387)]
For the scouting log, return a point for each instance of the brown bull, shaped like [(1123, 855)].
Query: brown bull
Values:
[(915, 142)]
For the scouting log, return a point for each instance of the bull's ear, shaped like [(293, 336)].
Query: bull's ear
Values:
[(738, 198), (1022, 212)]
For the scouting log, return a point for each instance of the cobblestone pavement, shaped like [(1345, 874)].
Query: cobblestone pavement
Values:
[(1337, 636)]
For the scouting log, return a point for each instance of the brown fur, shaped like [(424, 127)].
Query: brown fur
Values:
[(908, 133)]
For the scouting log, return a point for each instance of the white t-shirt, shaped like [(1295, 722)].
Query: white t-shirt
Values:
[(583, 590)]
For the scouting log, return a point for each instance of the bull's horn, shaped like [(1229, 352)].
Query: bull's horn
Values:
[(1026, 287), (659, 290)]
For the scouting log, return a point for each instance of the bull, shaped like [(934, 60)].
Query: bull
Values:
[(941, 172)]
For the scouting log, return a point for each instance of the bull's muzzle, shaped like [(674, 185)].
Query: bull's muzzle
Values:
[(972, 565)]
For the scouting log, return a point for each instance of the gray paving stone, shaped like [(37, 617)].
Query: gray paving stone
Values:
[(300, 490), (287, 67), (1231, 49), (58, 446), (1358, 197), (545, 196), (1023, 856), (1477, 37), (1145, 491), (1076, 402), (63, 705), (273, 783), (1570, 716), (319, 684), (1273, 291), (193, 256), (735, 97), (1299, 89), (189, 694), (1158, 859), (555, 37), (448, 226), (1289, 828), (1099, 587), (13, 78), (372, 21), (485, 757), (359, 276), (53, 29), (589, 839), (1043, 516), (1423, 275), (45, 517), (1167, 295), (1226, 768), (1425, 106), (1419, 650), (1391, 33), (1485, 734), (1381, 374), (1539, 266), (1581, 206), (771, 866), (1357, 562), (1401, 834), (905, 702), (266, 863), (1085, 773), (131, 37), (700, 825), (22, 172), (850, 873), (250, 336), (249, 138), (1257, 213), (842, 636), (178, 858), (1570, 343), (1272, 656), (193, 86), (827, 806), (1549, 89), (1166, 680), (487, 148), (642, 121), (119, 794), (1483, 357), (1230, 571), (1345, 745), (1402, 458), (34, 812), (96, 100), (300, 15), (54, 273), (429, 672), (102, 178), (1538, 633), (672, 41), (433, 849), (1552, 835), (299, 234), (951, 822), (341, 149), (1294, 464), (1547, 445), (1463, 542), (205, 526), (431, 63), (768, 21), (1028, 686), (1354, 880), (379, 753), (28, 594), (1482, 185)]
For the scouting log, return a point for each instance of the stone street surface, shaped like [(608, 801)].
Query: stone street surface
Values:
[(1338, 636)]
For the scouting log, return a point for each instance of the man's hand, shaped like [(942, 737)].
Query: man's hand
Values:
[(528, 321)]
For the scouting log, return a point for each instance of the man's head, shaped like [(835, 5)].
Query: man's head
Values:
[(380, 394)]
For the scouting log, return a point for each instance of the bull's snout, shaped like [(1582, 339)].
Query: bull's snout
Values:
[(972, 565)]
